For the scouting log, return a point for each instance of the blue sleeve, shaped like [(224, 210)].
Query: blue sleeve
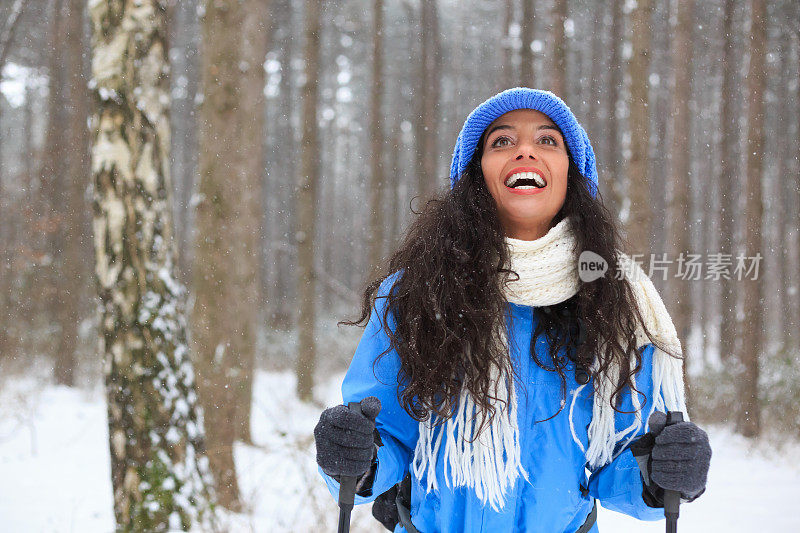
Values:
[(399, 432), (618, 485)]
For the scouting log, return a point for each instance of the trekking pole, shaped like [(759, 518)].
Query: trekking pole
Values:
[(347, 489), (672, 498)]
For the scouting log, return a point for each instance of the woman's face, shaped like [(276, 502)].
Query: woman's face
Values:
[(525, 165)]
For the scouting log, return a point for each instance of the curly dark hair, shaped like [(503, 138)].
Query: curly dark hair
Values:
[(450, 310)]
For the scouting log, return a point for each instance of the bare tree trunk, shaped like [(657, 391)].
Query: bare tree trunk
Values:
[(227, 255), (9, 29), (427, 123), (748, 421), (306, 204), (11, 221), (507, 73), (79, 144), (704, 200), (155, 425), (729, 160), (613, 160), (7, 237), (526, 54), (69, 248), (185, 29), (791, 190), (559, 65), (7, 32), (596, 120), (59, 286), (376, 181), (255, 35), (659, 105), (678, 212), (7, 243), (217, 334), (641, 219), (396, 181), (782, 192), (7, 347), (796, 188), (281, 297)]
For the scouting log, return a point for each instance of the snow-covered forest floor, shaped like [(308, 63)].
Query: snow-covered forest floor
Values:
[(54, 469)]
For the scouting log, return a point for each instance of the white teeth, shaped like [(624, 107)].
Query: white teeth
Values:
[(525, 175)]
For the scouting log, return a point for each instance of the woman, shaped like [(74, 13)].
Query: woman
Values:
[(496, 374)]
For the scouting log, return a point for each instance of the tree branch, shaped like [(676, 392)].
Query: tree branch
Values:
[(7, 35)]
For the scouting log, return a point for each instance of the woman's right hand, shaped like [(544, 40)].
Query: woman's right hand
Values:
[(344, 438)]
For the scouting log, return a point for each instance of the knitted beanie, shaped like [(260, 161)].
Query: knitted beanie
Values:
[(525, 98)]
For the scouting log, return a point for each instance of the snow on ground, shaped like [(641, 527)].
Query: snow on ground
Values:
[(748, 490), (55, 474), (54, 471)]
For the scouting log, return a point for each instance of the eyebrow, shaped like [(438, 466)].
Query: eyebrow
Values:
[(509, 127)]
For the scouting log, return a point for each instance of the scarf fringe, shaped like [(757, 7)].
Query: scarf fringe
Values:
[(492, 463)]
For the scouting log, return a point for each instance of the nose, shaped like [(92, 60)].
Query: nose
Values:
[(526, 149)]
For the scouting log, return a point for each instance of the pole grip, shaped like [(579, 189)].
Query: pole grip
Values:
[(347, 488), (672, 498)]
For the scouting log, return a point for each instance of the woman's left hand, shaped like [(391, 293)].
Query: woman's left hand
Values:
[(680, 457)]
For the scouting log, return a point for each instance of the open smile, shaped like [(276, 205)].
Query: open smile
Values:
[(525, 180)]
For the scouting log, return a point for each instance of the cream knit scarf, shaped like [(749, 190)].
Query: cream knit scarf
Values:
[(490, 464)]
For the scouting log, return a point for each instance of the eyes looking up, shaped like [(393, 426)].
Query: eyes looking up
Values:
[(496, 143)]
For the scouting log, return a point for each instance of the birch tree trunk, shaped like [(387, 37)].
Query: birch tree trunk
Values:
[(641, 218), (748, 421), (158, 468), (306, 200)]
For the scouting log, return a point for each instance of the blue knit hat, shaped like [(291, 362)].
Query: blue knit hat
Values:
[(525, 98)]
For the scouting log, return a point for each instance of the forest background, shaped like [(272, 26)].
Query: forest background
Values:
[(193, 193)]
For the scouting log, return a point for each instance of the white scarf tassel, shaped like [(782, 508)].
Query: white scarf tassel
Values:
[(491, 464)]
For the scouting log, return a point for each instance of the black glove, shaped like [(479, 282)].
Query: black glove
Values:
[(384, 509), (345, 439), (680, 457)]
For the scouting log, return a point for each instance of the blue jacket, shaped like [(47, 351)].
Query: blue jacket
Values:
[(553, 500)]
